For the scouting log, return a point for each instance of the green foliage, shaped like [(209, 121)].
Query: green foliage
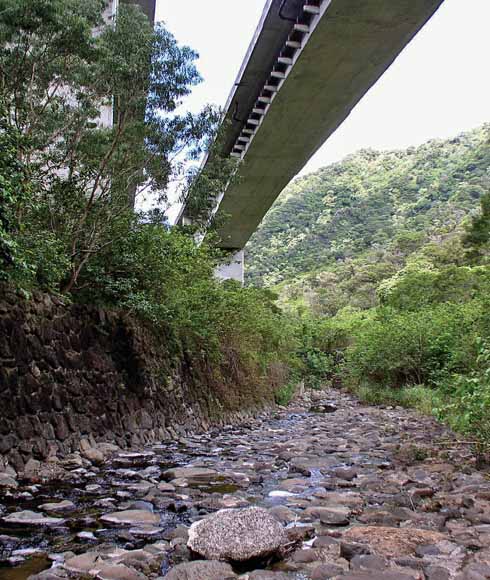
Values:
[(11, 195), (284, 395), (91, 118), (386, 258), (335, 235), (477, 234), (466, 403), (96, 115), (400, 348)]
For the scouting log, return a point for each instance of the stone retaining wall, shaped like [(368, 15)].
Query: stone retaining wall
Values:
[(70, 373)]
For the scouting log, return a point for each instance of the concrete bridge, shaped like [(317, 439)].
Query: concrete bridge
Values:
[(308, 65)]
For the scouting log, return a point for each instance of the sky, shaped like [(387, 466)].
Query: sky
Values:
[(438, 87)]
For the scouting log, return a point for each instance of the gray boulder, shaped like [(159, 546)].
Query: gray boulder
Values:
[(237, 535)]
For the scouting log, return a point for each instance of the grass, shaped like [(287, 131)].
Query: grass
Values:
[(417, 397)]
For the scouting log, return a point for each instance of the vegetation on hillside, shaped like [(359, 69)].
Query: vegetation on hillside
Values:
[(68, 180), (386, 257)]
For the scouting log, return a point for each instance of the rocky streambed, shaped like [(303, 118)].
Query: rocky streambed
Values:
[(328, 488)]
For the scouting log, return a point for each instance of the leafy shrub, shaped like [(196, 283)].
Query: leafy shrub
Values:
[(466, 406), (284, 395), (400, 348)]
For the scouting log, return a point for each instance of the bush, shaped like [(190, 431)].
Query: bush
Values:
[(400, 348), (284, 395), (466, 404)]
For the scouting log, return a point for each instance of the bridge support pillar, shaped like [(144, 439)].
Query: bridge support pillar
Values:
[(233, 268)]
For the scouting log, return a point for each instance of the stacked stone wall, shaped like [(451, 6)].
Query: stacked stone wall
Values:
[(70, 373)]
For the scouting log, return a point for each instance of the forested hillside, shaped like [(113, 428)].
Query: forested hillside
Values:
[(335, 234), (385, 257)]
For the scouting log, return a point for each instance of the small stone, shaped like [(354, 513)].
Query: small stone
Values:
[(266, 575), (61, 506), (191, 474), (145, 531), (201, 570), (131, 518), (323, 408), (83, 563), (368, 562), (32, 469), (7, 481), (165, 487), (118, 572), (392, 542), (93, 455), (32, 519), (326, 571), (86, 536), (335, 516)]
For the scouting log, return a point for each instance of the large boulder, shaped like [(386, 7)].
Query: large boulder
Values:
[(237, 535), (201, 570)]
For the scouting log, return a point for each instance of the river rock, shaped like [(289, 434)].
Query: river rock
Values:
[(237, 535), (83, 563), (132, 518), (32, 519), (267, 575), (7, 481), (201, 570), (191, 474), (323, 408), (60, 506), (392, 542), (335, 516), (118, 572)]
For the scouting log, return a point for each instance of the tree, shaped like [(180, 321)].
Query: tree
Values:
[(62, 70), (11, 194), (477, 234)]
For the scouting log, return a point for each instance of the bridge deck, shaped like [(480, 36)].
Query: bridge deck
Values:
[(338, 51)]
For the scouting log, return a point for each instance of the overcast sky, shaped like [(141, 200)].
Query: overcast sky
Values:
[(438, 87)]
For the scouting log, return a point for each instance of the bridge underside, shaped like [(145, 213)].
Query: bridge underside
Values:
[(350, 45)]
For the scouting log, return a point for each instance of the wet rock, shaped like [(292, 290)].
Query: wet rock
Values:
[(437, 573), (309, 465), (283, 514), (368, 562), (83, 563), (237, 535), (145, 531), (326, 572), (201, 570), (131, 518), (377, 576), (89, 536), (335, 516), (165, 487), (29, 518), (351, 462), (61, 506), (7, 481), (266, 575), (52, 574), (193, 475), (91, 453), (118, 572), (323, 408)]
